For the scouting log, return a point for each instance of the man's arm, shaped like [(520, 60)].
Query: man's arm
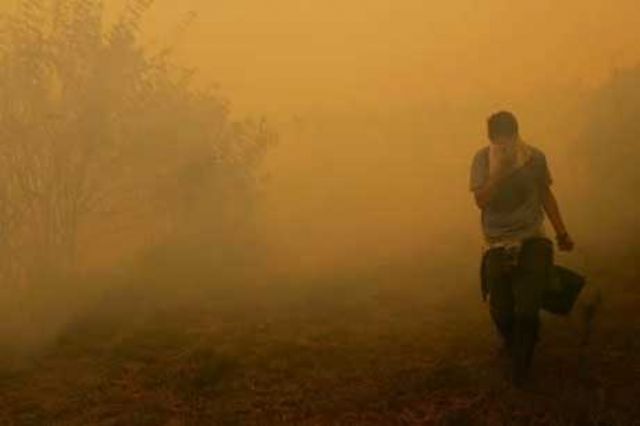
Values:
[(485, 193), (550, 204)]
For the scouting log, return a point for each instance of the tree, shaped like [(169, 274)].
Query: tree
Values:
[(94, 127)]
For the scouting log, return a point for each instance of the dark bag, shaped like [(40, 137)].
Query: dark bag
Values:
[(563, 290)]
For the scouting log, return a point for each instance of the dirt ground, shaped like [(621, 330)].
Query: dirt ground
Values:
[(354, 349)]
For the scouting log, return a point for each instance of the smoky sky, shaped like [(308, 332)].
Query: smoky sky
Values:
[(380, 104), (286, 55)]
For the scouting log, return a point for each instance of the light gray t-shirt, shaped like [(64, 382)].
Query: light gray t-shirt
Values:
[(516, 211)]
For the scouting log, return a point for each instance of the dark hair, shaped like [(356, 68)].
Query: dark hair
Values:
[(502, 123)]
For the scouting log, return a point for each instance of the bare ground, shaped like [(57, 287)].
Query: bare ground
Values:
[(361, 349)]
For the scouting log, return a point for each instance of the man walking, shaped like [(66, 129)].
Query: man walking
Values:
[(511, 183)]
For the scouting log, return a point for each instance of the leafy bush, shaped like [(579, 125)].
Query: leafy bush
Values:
[(100, 134)]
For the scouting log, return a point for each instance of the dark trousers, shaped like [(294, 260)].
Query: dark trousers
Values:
[(515, 282)]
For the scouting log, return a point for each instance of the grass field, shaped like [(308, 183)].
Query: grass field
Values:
[(359, 348)]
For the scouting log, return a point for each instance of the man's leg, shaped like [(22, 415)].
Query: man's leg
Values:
[(531, 277), (500, 294)]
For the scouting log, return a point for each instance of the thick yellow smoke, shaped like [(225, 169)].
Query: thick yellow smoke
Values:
[(380, 106)]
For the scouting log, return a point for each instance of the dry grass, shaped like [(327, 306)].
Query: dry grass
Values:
[(356, 350)]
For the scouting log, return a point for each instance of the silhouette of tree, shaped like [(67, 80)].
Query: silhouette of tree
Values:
[(93, 125)]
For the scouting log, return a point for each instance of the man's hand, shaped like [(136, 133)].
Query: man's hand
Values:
[(565, 243), (550, 204), (502, 167), (504, 158)]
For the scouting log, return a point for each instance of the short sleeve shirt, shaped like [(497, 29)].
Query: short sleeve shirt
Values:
[(516, 211)]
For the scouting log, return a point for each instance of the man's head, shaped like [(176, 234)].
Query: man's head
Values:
[(502, 128)]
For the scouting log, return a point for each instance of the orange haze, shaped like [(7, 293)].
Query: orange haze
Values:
[(380, 105)]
